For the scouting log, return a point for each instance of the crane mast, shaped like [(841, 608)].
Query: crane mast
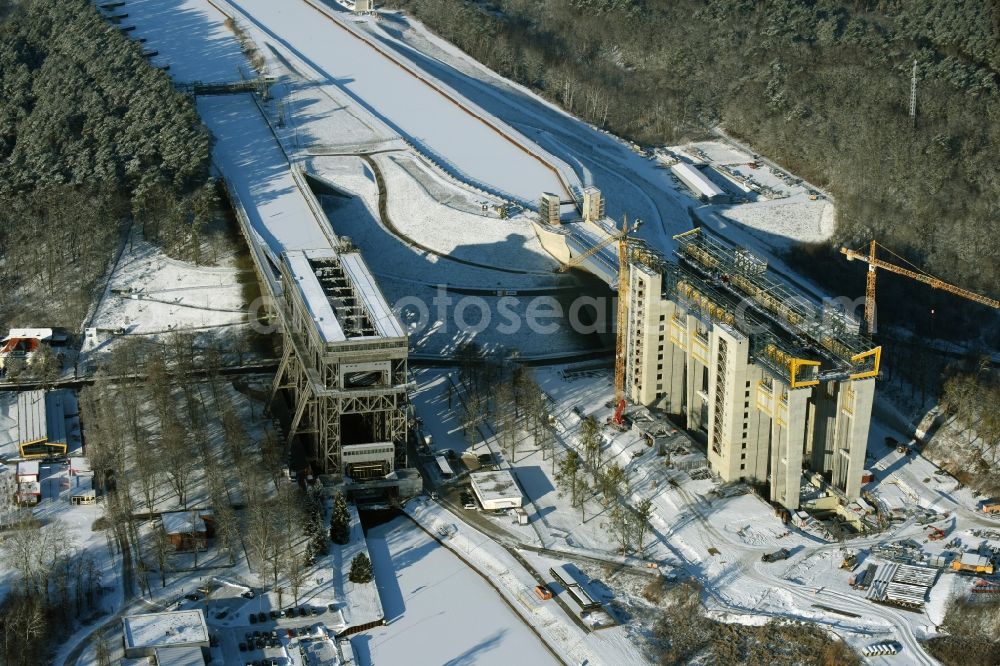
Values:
[(874, 262)]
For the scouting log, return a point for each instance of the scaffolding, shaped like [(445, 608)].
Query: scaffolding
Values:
[(831, 341)]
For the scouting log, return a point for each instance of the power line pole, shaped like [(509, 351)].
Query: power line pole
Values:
[(913, 95)]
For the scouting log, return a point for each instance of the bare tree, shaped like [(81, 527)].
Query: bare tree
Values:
[(642, 512), (620, 525), (163, 552)]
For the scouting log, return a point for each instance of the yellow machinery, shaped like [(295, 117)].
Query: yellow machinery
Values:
[(624, 256), (920, 276), (597, 247)]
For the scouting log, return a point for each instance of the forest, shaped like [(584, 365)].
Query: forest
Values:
[(91, 138), (823, 87)]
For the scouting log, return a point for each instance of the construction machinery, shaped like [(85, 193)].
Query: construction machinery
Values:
[(936, 534), (918, 275), (850, 560), (619, 235), (622, 238)]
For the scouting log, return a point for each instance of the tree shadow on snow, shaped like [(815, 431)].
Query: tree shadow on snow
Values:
[(471, 656)]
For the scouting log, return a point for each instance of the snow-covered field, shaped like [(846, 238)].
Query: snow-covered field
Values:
[(439, 611), (150, 293)]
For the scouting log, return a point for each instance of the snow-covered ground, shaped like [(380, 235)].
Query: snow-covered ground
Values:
[(337, 96), (717, 538), (150, 293), (439, 611), (421, 111)]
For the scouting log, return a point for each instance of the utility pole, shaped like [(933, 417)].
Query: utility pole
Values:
[(913, 95)]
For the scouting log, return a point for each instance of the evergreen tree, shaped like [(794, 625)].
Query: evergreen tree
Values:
[(340, 520), (361, 569)]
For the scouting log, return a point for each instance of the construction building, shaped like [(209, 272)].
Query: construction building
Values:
[(345, 365), (593, 204), (776, 385)]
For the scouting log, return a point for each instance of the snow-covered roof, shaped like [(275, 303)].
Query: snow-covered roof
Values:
[(183, 522), (180, 656), (314, 297), (80, 466), (323, 652), (379, 312), (175, 628), (36, 333), (974, 560), (41, 416), (27, 468), (495, 485), (696, 180)]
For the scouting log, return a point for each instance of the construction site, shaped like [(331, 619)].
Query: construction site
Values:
[(774, 385), (720, 430), (778, 387)]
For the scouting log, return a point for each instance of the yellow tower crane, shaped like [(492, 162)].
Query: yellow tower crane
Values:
[(620, 237), (873, 263)]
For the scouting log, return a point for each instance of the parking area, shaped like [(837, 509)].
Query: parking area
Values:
[(251, 629)]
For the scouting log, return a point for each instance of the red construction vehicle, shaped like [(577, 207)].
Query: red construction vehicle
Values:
[(936, 534), (619, 411)]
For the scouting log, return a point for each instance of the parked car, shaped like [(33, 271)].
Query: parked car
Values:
[(243, 647), (253, 619), (262, 616), (776, 556), (249, 594)]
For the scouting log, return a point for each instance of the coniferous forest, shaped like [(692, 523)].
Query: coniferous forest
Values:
[(90, 136)]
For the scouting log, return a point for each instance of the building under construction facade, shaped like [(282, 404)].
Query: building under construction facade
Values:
[(777, 385), (344, 363)]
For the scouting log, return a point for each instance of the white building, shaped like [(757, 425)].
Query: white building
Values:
[(149, 633), (593, 204), (496, 490), (82, 492), (702, 187)]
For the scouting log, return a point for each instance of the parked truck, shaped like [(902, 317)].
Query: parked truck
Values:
[(992, 506)]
